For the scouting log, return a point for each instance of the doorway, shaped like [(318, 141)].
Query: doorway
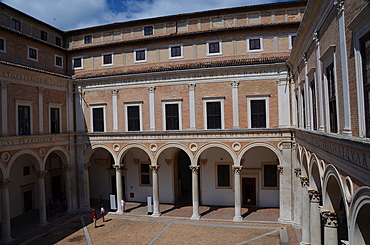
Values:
[(249, 191), (27, 201), (56, 187), (183, 180)]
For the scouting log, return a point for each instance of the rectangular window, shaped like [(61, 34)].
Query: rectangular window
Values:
[(24, 120), (223, 175), (176, 52), (140, 55), (107, 59), (26, 170), (214, 115), (98, 119), (133, 118), (44, 35), (270, 175), (214, 48), (77, 63), (2, 46), (16, 24), (365, 53), (54, 121), (58, 41), (172, 116), (58, 61), (332, 98), (32, 53), (303, 108), (145, 174), (292, 40), (258, 113), (254, 44), (148, 30), (314, 111), (88, 39)]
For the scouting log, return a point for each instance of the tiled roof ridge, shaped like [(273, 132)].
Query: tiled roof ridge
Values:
[(185, 66)]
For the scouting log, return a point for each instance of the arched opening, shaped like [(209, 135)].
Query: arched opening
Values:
[(362, 226), (182, 179)]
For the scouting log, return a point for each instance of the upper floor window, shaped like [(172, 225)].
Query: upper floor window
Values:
[(175, 52), (107, 59), (24, 119), (140, 55), (258, 108), (44, 35), (77, 63), (292, 38), (133, 116), (88, 39), (314, 104), (365, 54), (58, 61), (16, 24), (330, 77), (98, 118), (54, 120), (254, 44), (214, 48), (58, 41), (33, 54), (148, 30), (172, 114), (214, 112), (2, 45)]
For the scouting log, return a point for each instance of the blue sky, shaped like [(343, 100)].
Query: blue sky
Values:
[(75, 14)]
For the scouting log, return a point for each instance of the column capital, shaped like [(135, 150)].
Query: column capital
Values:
[(66, 167), (194, 168), (235, 84), (315, 37), (280, 168), (237, 168), (41, 174), (304, 57), (191, 86), (304, 181), (297, 172), (118, 167), (87, 166), (115, 92), (4, 183), (154, 168), (151, 89), (314, 195), (4, 84), (330, 218), (340, 5)]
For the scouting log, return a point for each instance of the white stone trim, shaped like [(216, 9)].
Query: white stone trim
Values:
[(176, 57), (55, 61), (104, 116), (28, 53), (139, 104), (82, 63), (145, 53), (219, 44), (205, 101), (175, 101), (102, 59), (267, 104), (255, 50), (23, 103)]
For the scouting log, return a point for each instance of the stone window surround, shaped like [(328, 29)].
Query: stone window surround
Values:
[(55, 60), (255, 50), (172, 101), (230, 175), (220, 47), (4, 49), (93, 106), (82, 63), (265, 97), (145, 53), (24, 103), (58, 106), (134, 103), (28, 53), (102, 59), (213, 99)]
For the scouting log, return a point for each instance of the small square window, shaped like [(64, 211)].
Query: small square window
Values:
[(214, 48), (44, 35), (107, 59), (2, 45), (88, 39), (176, 51), (58, 41), (148, 30), (77, 63), (26, 170), (140, 55), (32, 53), (16, 24), (58, 61), (254, 44)]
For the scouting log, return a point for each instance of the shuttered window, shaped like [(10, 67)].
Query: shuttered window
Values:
[(258, 113), (24, 120), (54, 121), (365, 53), (213, 115), (223, 175), (332, 99), (133, 118), (98, 119), (172, 116)]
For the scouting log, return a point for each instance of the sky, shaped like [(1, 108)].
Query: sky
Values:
[(75, 14)]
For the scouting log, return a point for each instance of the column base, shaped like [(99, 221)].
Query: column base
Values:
[(44, 223), (286, 222), (156, 214), (304, 243), (6, 241), (238, 218), (195, 217)]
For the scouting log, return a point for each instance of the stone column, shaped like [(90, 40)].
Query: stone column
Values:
[(67, 174), (237, 188), (41, 110), (151, 108), (5, 211), (69, 107), (297, 199), (235, 85), (4, 108), (194, 178), (41, 197), (119, 186), (330, 228), (191, 87), (85, 203), (315, 224), (115, 110), (319, 84), (305, 212), (307, 94), (155, 169), (285, 182), (79, 105)]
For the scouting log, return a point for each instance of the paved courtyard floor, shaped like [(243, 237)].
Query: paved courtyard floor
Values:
[(259, 226)]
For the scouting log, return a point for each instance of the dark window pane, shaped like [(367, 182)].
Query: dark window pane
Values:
[(365, 53), (107, 59), (254, 44), (314, 114), (223, 175), (214, 47), (213, 115), (133, 116), (258, 113), (140, 55), (58, 61), (16, 24), (2, 44), (54, 120), (44, 35), (77, 62), (32, 53), (270, 175), (176, 51), (148, 30), (172, 116), (24, 120), (58, 41), (332, 99), (98, 120), (88, 39)]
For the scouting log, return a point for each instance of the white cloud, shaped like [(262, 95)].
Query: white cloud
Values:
[(74, 14)]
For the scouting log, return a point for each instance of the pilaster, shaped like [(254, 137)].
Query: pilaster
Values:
[(191, 87), (235, 98), (4, 108), (151, 107)]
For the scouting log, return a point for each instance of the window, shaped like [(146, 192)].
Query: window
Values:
[(214, 48), (258, 108), (292, 38), (140, 55), (26, 170), (24, 120), (145, 178), (172, 115), (88, 39), (58, 61), (54, 120), (148, 30), (16, 24), (44, 35), (332, 98), (98, 118), (223, 175), (77, 63), (270, 176), (303, 108), (107, 59), (32, 54), (254, 44), (176, 52), (365, 53), (2, 45), (213, 112), (133, 116), (314, 105), (58, 41)]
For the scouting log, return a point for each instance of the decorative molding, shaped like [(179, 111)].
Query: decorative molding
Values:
[(4, 183), (153, 147), (4, 85), (5, 157), (280, 168), (314, 195), (340, 5), (235, 84), (191, 86), (330, 218), (236, 146), (87, 166), (304, 181), (118, 167), (297, 172), (194, 168), (304, 57), (33, 140), (66, 167), (154, 168), (286, 145), (315, 37), (32, 79), (237, 168), (151, 89), (115, 92), (193, 147), (42, 152), (116, 147)]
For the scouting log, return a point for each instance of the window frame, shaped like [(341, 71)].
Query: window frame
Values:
[(254, 38), (112, 59), (151, 30), (4, 45), (88, 39), (134, 103), (58, 41), (181, 56), (145, 54), (263, 187), (24, 103), (178, 102), (221, 100), (82, 63), (43, 35), (217, 186), (55, 61), (141, 174), (219, 46), (291, 41), (29, 48), (96, 106), (16, 24), (59, 107), (265, 97)]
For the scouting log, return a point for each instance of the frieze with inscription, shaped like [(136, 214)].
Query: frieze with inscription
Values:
[(12, 142), (31, 79)]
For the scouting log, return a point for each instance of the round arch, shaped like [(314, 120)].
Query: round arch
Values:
[(358, 222), (60, 151), (315, 173), (129, 146), (271, 147), (331, 172), (89, 151), (173, 145), (24, 152), (217, 145)]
